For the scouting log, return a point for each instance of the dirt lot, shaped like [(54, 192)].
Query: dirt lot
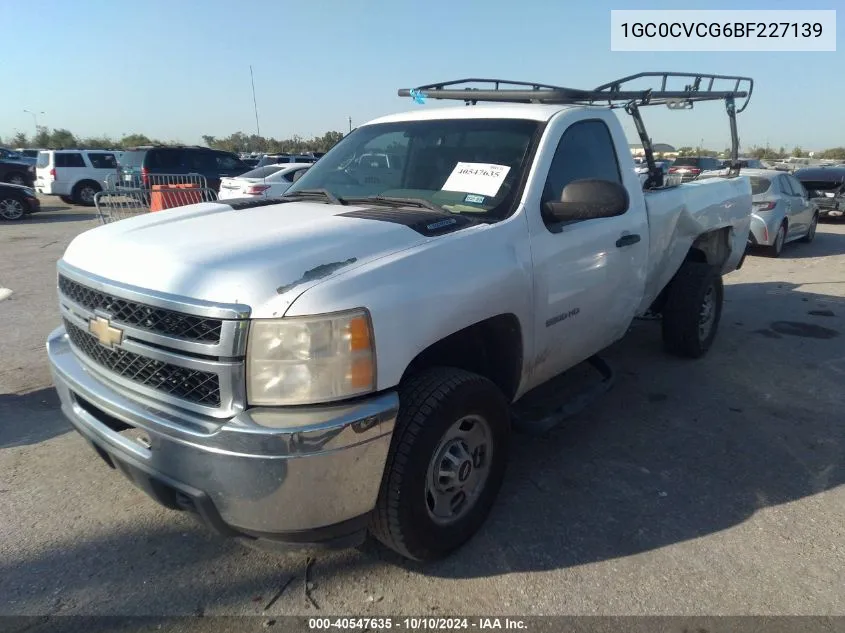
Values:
[(710, 487)]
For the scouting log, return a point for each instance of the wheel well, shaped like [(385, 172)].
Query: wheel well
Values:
[(491, 348), (713, 247), (87, 181)]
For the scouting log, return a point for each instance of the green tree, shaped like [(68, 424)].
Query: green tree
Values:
[(836, 153), (42, 137), (62, 138), (20, 140), (686, 151), (798, 152), (135, 140)]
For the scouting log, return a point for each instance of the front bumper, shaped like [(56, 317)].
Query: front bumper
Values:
[(303, 475)]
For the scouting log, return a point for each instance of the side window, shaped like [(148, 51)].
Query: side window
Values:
[(73, 159), (585, 151), (224, 162), (164, 159), (200, 161), (797, 187), (102, 161)]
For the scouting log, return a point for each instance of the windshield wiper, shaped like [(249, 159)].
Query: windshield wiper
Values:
[(398, 202), (307, 194)]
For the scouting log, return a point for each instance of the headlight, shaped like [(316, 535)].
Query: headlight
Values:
[(310, 359)]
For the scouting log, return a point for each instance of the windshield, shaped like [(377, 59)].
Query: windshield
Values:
[(463, 165)]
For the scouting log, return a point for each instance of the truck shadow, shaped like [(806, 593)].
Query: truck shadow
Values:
[(31, 418), (678, 450)]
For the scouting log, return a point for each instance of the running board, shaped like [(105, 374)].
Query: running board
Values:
[(547, 406)]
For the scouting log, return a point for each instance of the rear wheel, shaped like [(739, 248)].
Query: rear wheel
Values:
[(16, 178), (84, 192), (12, 208), (780, 239), (446, 463), (692, 310), (811, 232)]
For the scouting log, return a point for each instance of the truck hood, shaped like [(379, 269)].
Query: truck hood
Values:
[(263, 256)]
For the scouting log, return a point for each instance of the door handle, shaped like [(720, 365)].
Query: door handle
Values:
[(627, 240)]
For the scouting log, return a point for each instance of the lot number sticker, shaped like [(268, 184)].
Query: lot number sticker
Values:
[(480, 178)]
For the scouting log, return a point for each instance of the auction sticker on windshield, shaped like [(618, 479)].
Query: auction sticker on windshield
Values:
[(481, 178)]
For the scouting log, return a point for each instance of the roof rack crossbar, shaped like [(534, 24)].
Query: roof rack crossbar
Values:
[(616, 93)]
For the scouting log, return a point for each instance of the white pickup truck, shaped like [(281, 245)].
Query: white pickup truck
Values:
[(301, 370)]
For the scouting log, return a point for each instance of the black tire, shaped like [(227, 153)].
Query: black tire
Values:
[(693, 286), (811, 232), (777, 246), (66, 199), (16, 178), (84, 192), (13, 207), (431, 404)]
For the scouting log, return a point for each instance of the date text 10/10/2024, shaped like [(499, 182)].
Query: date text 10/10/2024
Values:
[(415, 624)]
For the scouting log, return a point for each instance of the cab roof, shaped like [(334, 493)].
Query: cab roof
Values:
[(529, 111)]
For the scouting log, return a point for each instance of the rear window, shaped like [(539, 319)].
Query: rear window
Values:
[(686, 162), (263, 172), (132, 158), (43, 159), (72, 159), (759, 185)]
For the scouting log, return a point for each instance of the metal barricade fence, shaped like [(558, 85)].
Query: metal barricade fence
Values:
[(118, 180), (126, 202)]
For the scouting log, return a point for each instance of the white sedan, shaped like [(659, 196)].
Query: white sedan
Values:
[(264, 182)]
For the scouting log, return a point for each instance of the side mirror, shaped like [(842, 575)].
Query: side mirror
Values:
[(588, 199)]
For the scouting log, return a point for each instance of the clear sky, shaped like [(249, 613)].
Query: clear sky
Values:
[(178, 69)]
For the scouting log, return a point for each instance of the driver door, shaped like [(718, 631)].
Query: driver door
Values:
[(589, 275)]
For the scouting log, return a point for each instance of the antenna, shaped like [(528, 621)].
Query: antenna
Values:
[(254, 102)]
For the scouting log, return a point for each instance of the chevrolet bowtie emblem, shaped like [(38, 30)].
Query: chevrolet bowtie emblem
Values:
[(107, 335)]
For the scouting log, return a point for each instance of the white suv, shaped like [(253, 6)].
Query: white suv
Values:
[(75, 175)]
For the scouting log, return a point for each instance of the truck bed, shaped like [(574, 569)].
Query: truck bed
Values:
[(678, 215)]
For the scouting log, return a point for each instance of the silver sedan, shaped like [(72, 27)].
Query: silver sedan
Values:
[(783, 211)]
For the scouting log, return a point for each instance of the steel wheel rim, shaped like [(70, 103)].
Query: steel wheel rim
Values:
[(86, 194), (458, 470), (11, 209), (707, 314)]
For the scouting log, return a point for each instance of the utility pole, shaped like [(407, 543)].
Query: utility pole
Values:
[(34, 119), (350, 124)]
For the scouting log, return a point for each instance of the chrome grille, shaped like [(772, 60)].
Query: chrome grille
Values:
[(153, 319), (191, 385)]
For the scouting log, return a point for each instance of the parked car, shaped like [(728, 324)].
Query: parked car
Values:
[(16, 173), (75, 175), (275, 159), (350, 356), (783, 212), (263, 182), (17, 201), (29, 153), (827, 186), (251, 162), (690, 167), (136, 165)]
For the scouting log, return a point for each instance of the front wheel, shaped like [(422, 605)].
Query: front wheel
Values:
[(12, 208), (446, 463), (692, 310)]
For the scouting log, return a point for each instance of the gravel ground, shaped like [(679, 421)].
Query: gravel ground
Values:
[(707, 487)]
